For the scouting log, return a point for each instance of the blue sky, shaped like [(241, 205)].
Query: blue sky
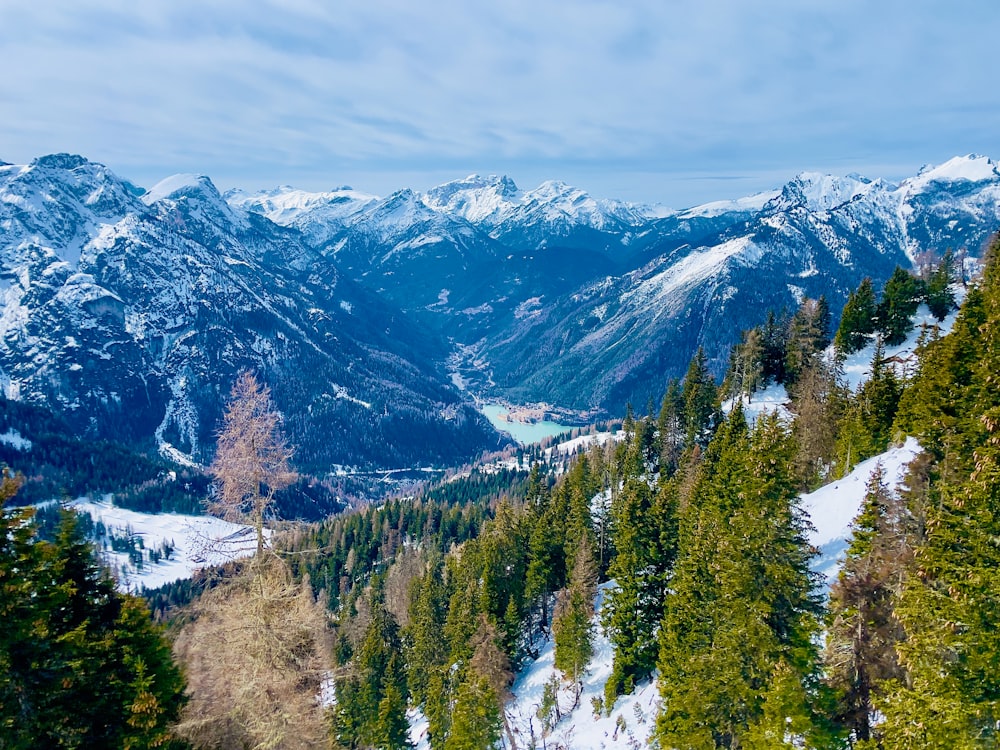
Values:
[(670, 102)]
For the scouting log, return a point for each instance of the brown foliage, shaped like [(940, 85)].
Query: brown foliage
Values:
[(255, 655), (252, 458)]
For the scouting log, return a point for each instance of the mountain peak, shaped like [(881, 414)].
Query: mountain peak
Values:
[(972, 167), (60, 161), (179, 185)]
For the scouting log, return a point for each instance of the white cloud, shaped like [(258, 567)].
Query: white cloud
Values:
[(316, 94)]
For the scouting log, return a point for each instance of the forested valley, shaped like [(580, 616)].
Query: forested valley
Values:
[(432, 603)]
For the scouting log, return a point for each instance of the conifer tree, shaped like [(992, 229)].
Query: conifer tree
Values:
[(670, 429), (700, 400), (858, 320), (900, 298), (774, 342), (82, 665), (571, 627), (808, 336), (948, 606), (863, 631), (940, 298), (741, 600), (252, 458)]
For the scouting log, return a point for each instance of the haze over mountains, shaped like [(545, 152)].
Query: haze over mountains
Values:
[(131, 311)]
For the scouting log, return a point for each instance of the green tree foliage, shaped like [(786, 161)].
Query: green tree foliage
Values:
[(948, 606), (774, 342), (867, 425), (940, 298), (900, 298), (83, 666), (371, 701), (571, 626), (700, 399), (476, 722), (858, 320), (808, 336), (741, 600)]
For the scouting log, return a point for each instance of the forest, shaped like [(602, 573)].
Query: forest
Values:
[(434, 602)]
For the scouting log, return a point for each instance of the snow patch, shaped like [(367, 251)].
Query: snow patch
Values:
[(198, 542), (832, 508), (14, 439)]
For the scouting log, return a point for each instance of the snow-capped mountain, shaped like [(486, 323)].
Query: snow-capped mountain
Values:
[(558, 296), (134, 313), (133, 316)]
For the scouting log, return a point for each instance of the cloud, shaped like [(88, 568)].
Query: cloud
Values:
[(270, 92)]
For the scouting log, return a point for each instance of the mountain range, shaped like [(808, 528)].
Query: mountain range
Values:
[(551, 295), (375, 320)]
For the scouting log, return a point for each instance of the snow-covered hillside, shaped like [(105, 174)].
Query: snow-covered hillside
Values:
[(832, 507), (196, 542)]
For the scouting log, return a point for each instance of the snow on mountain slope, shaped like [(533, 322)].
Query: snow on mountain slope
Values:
[(832, 507), (972, 168), (629, 725), (132, 317), (197, 541)]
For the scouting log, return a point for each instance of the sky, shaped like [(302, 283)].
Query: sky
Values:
[(675, 103)]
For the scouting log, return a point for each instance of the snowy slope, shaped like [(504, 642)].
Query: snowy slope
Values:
[(198, 541), (629, 726), (832, 507)]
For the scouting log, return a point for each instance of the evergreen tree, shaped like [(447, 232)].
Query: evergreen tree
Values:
[(644, 528), (808, 336), (948, 607), (940, 298), (476, 720), (670, 429), (863, 631), (774, 342), (857, 321), (83, 666), (741, 600), (371, 703), (900, 298), (571, 628), (700, 400)]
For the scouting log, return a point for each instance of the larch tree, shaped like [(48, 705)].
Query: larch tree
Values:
[(251, 457), (256, 646)]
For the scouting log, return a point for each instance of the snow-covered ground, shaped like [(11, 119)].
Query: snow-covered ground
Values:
[(197, 541), (857, 367), (832, 507), (629, 726)]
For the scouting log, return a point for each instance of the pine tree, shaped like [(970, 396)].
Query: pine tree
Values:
[(808, 336), (741, 599), (476, 720), (774, 342), (571, 627), (700, 396), (900, 298), (83, 666), (857, 321), (863, 630), (940, 298), (948, 607), (670, 429)]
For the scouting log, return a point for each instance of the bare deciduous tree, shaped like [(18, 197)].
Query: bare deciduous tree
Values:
[(255, 654), (251, 458)]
